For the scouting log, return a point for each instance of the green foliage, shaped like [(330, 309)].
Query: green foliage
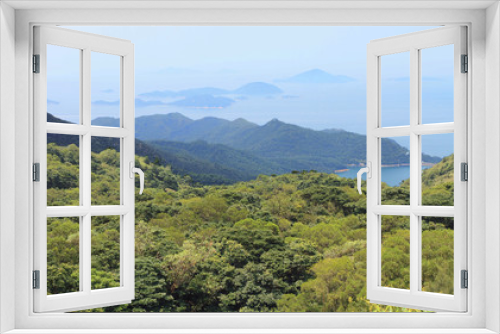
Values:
[(201, 158), (62, 181), (437, 255), (289, 243), (396, 259), (438, 186), (63, 255)]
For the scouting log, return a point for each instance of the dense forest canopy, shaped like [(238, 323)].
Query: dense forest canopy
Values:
[(294, 242)]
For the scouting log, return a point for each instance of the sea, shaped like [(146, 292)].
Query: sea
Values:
[(393, 176)]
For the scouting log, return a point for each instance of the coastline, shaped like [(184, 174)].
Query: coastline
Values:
[(427, 164)]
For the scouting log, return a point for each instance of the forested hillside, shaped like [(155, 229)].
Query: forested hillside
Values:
[(288, 146), (222, 155), (289, 243)]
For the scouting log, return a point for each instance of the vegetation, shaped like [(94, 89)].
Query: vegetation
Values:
[(276, 147), (289, 243), (215, 151)]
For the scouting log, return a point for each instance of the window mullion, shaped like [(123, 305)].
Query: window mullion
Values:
[(414, 169), (86, 177)]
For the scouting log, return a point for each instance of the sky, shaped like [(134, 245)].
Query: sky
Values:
[(227, 57)]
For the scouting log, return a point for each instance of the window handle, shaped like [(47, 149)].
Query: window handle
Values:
[(134, 170), (368, 171)]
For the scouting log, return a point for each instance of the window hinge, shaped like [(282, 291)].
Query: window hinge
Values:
[(36, 63), (465, 64), (465, 279), (36, 172), (464, 170), (36, 279)]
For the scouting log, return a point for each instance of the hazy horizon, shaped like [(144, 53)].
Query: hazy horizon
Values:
[(178, 58)]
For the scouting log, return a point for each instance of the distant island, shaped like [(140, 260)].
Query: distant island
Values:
[(203, 101), (258, 88), (249, 89), (316, 76)]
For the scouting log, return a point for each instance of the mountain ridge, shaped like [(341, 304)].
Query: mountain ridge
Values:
[(218, 151), (291, 146), (183, 163)]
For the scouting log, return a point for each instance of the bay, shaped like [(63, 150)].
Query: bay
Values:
[(393, 176)]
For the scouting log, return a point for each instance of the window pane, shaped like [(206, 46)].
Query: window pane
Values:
[(105, 92), (395, 252), (63, 255), (63, 170), (105, 252), (437, 254), (437, 84), (105, 171), (395, 170), (395, 89), (437, 170), (63, 84)]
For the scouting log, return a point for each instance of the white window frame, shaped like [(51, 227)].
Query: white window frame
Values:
[(483, 248), (413, 43), (86, 44)]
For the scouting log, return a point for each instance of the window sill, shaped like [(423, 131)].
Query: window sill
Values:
[(251, 331)]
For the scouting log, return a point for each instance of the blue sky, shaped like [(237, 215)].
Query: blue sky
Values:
[(176, 58)]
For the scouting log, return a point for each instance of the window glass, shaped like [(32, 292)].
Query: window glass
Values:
[(437, 84), (437, 254), (438, 170), (63, 84), (63, 170), (395, 170), (105, 94), (63, 255), (105, 252), (395, 252), (105, 171), (395, 89)]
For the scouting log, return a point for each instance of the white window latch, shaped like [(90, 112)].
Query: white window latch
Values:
[(368, 171), (134, 170)]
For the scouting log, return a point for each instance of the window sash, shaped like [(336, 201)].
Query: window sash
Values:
[(85, 298), (414, 298)]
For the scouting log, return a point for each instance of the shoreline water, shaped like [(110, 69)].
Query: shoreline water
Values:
[(393, 175)]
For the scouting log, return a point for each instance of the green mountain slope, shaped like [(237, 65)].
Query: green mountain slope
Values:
[(217, 151), (223, 155), (213, 130), (290, 146), (438, 183), (182, 162)]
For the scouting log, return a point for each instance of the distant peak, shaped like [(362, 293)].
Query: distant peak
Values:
[(316, 71), (243, 121), (177, 115), (169, 116), (275, 121)]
